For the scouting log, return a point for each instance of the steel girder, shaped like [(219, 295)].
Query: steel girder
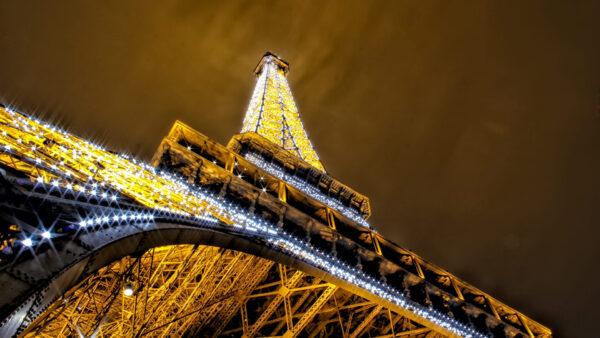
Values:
[(178, 288)]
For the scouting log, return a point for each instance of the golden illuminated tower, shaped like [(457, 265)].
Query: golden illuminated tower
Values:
[(249, 239), (273, 114)]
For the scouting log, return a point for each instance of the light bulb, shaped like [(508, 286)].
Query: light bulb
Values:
[(128, 289)]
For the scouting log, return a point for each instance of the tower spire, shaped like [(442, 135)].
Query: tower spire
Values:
[(272, 112)]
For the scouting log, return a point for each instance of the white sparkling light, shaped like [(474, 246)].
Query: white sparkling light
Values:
[(128, 290), (27, 242), (308, 189)]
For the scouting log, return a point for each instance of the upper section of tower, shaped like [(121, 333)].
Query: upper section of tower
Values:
[(273, 114)]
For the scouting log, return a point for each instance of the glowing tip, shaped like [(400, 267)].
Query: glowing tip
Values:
[(268, 58)]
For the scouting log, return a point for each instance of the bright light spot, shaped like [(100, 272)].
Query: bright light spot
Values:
[(128, 290), (27, 242), (46, 234), (40, 179)]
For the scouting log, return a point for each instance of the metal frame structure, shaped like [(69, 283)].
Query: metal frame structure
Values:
[(185, 289), (273, 113), (249, 239)]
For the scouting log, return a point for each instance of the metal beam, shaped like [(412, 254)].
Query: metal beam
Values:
[(407, 333), (366, 321), (287, 284), (311, 312)]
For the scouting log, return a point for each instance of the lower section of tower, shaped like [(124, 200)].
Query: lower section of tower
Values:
[(198, 290)]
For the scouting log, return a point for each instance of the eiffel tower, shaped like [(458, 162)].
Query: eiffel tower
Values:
[(253, 238)]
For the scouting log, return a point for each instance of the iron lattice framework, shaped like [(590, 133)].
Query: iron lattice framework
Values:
[(249, 239), (273, 114)]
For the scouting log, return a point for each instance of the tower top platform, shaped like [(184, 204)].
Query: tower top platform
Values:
[(270, 57)]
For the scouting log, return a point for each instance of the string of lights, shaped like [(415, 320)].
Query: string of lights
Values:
[(308, 189)]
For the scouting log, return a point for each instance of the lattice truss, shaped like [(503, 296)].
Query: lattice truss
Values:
[(208, 291), (273, 114)]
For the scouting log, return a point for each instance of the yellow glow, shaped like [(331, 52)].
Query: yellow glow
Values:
[(272, 113), (46, 154)]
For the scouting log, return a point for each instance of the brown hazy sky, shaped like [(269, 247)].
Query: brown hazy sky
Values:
[(473, 126)]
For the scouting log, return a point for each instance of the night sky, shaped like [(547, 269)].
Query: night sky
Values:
[(474, 127)]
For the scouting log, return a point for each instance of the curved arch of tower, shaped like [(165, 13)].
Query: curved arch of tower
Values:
[(252, 238)]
